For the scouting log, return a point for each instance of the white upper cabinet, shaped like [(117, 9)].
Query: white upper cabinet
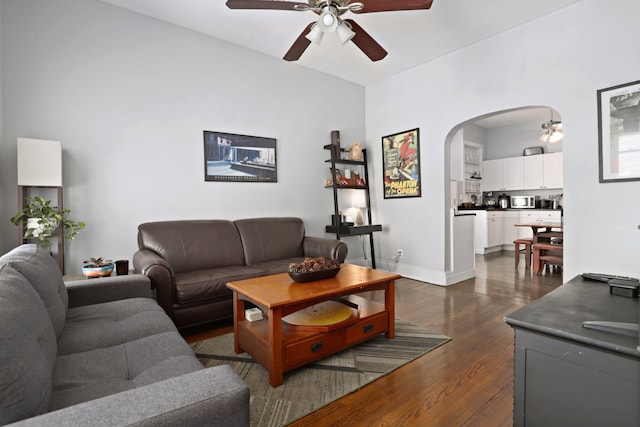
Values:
[(502, 174), (553, 172), (492, 175), (512, 170), (543, 171)]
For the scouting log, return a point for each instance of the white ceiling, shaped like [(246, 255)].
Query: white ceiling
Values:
[(411, 37)]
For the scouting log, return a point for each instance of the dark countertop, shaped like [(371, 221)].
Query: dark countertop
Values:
[(485, 208), (561, 312)]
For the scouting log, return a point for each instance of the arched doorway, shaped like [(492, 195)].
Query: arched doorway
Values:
[(491, 136)]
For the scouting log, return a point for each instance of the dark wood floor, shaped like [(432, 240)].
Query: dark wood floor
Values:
[(466, 382)]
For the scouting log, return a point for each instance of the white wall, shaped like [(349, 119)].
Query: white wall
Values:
[(129, 97), (558, 61), (510, 141)]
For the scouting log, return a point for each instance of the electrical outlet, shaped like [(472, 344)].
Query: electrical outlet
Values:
[(399, 253)]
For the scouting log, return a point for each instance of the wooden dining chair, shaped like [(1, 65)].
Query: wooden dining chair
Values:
[(523, 246), (545, 254)]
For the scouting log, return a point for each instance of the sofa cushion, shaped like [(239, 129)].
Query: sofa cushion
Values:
[(42, 271), (277, 266), (111, 323), (88, 375), (193, 245), (268, 239), (27, 349), (212, 283)]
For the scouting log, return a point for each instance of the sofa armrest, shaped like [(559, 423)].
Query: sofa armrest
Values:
[(104, 289), (162, 276), (329, 248), (214, 396)]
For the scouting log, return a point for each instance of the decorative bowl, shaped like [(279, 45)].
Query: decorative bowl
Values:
[(314, 275), (103, 271)]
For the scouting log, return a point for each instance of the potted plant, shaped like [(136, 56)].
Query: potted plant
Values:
[(97, 267), (40, 221)]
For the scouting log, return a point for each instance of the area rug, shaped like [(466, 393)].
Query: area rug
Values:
[(313, 386)]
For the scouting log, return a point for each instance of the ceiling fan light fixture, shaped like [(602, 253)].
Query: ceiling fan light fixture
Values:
[(328, 19), (552, 130), (345, 33), (315, 34)]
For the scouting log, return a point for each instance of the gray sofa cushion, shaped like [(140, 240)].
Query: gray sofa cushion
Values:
[(111, 323), (27, 349), (88, 375), (42, 271), (269, 239)]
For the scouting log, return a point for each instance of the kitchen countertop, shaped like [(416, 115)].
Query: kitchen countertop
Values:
[(485, 208)]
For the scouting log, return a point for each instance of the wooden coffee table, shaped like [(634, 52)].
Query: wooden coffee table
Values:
[(280, 347)]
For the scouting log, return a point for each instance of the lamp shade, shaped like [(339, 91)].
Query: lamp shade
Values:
[(315, 34), (39, 162), (345, 33)]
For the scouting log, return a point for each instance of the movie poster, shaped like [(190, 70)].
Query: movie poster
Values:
[(401, 164)]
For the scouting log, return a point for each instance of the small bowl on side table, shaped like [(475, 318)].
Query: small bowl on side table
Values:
[(103, 271)]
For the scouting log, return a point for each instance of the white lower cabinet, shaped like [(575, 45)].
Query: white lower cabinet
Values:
[(496, 230), (536, 216), (511, 218)]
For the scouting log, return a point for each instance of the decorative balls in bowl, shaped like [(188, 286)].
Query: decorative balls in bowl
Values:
[(314, 269)]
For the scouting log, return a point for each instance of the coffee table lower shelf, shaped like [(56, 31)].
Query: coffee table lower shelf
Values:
[(301, 346)]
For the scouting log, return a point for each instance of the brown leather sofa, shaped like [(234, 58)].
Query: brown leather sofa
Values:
[(190, 262)]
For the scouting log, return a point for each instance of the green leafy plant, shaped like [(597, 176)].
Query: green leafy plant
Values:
[(97, 262), (45, 220)]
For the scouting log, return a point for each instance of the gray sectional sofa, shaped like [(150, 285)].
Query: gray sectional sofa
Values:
[(190, 262), (117, 362)]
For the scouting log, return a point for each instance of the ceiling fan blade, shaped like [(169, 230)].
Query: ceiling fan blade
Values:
[(264, 4), (299, 46), (391, 5), (366, 43)]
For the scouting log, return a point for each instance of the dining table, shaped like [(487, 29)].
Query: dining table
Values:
[(543, 229)]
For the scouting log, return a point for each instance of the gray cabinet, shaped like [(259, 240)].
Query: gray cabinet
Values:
[(566, 375)]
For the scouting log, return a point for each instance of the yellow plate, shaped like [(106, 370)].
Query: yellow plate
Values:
[(323, 314)]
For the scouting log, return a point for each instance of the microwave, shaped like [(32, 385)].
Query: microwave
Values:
[(523, 202)]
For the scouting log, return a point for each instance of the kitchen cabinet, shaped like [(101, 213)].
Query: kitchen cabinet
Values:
[(552, 170), (495, 229), (492, 175), (543, 171), (502, 174), (511, 218)]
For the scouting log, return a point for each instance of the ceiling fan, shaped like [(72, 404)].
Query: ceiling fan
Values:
[(329, 12), (551, 130)]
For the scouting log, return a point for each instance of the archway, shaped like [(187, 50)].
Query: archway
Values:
[(498, 134)]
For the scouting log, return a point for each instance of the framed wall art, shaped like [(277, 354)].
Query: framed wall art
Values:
[(619, 132), (239, 158), (401, 164)]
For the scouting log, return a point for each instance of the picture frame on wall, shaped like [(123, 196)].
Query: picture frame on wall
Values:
[(401, 164), (619, 132), (232, 157)]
